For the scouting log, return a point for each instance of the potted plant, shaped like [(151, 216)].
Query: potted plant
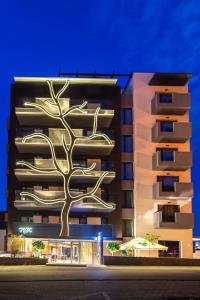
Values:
[(38, 246), (112, 247)]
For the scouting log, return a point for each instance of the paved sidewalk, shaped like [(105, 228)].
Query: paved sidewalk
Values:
[(133, 290), (109, 283)]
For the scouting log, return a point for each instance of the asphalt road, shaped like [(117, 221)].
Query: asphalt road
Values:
[(98, 283)]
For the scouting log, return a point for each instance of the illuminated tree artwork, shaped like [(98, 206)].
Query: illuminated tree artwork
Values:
[(53, 107)]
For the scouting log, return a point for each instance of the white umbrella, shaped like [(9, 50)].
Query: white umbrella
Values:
[(141, 244)]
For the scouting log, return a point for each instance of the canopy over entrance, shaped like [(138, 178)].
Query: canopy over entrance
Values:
[(141, 244)]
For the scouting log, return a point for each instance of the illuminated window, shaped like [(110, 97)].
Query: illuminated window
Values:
[(126, 116)]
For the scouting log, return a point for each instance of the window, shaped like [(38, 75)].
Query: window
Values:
[(167, 126), (45, 220), (127, 171), (167, 154), (168, 182), (104, 220), (128, 199), (127, 228), (126, 143), (107, 165), (83, 220), (126, 116), (168, 212), (173, 249), (27, 219), (105, 195), (165, 98)]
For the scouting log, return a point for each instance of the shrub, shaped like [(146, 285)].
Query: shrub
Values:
[(38, 245), (112, 247)]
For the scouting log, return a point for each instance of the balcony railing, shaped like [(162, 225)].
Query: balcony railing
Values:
[(181, 132), (181, 221), (28, 175), (175, 104), (180, 190), (181, 161), (26, 115), (83, 146)]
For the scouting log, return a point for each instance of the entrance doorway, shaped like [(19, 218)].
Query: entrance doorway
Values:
[(64, 252)]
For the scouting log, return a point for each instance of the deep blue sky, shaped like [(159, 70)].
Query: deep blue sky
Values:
[(39, 37)]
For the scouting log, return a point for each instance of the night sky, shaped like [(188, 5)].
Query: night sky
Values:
[(39, 37)]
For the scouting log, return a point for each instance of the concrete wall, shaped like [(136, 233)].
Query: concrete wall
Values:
[(144, 177), (149, 261)]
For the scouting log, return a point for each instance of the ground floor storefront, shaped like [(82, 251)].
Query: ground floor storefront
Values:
[(65, 251)]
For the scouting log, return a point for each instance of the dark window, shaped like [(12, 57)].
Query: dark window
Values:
[(168, 212), (127, 228), (104, 220), (168, 182), (165, 98), (167, 154), (83, 220), (45, 220), (166, 126), (173, 249), (27, 219), (107, 165), (126, 116), (128, 199), (127, 171), (105, 195), (126, 143)]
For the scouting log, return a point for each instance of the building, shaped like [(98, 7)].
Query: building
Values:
[(90, 159), (3, 231)]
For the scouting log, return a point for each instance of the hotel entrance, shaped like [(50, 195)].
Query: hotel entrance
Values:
[(65, 251)]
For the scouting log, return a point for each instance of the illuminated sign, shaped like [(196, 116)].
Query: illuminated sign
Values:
[(25, 230)]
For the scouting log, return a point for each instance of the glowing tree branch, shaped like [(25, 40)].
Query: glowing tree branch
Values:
[(54, 109)]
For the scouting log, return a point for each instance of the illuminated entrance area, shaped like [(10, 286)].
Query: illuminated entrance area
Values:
[(64, 251)]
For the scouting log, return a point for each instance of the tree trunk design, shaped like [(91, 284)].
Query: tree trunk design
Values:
[(53, 109)]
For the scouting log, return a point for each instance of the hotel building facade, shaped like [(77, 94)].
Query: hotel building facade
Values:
[(88, 159)]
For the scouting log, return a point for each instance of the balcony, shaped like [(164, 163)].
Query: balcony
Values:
[(181, 191), (181, 161), (52, 230), (174, 104), (83, 146), (181, 132), (82, 206), (29, 175), (181, 221), (35, 117)]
